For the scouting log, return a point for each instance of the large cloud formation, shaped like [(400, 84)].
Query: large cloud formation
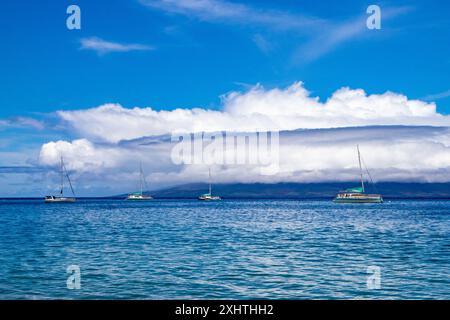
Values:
[(257, 109), (397, 153), (401, 139)]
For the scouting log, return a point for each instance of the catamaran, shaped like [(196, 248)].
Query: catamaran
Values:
[(140, 196), (358, 195), (61, 198), (208, 196)]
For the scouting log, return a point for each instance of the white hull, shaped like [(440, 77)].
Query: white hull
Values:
[(59, 200), (138, 198), (209, 198)]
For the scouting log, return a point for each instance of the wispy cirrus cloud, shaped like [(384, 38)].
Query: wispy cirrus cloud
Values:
[(337, 33), (321, 35), (21, 122), (437, 96), (233, 12), (262, 43), (103, 46)]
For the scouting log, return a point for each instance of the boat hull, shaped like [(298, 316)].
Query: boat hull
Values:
[(209, 198), (60, 200), (358, 200), (139, 198)]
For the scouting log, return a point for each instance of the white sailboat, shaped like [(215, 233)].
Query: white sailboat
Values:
[(61, 198), (209, 196), (358, 195), (140, 196)]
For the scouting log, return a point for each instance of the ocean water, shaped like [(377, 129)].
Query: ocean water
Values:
[(233, 249)]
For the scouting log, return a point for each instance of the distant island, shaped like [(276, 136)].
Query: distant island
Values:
[(389, 190)]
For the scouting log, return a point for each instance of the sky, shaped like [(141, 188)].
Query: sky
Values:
[(143, 69)]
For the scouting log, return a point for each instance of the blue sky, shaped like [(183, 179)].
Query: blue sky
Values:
[(169, 54), (196, 59)]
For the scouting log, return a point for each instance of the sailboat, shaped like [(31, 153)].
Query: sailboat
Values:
[(358, 195), (140, 196), (61, 198), (208, 196)]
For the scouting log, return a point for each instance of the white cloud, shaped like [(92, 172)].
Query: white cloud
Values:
[(437, 96), (233, 12), (321, 35), (256, 109), (333, 35), (103, 47), (83, 156), (398, 153), (21, 122), (262, 43), (401, 139)]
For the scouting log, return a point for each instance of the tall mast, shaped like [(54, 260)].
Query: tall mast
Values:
[(141, 177), (210, 181), (360, 168), (62, 176)]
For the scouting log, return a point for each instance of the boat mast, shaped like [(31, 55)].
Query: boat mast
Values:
[(62, 176), (360, 168), (141, 177), (210, 181)]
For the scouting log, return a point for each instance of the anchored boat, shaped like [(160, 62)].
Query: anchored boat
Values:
[(61, 198), (209, 196), (358, 195), (140, 196)]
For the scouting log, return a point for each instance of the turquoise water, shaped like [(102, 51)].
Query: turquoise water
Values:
[(230, 249)]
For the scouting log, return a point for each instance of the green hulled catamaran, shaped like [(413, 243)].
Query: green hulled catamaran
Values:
[(358, 195)]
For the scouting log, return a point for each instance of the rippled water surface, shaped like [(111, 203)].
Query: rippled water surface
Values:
[(228, 249)]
